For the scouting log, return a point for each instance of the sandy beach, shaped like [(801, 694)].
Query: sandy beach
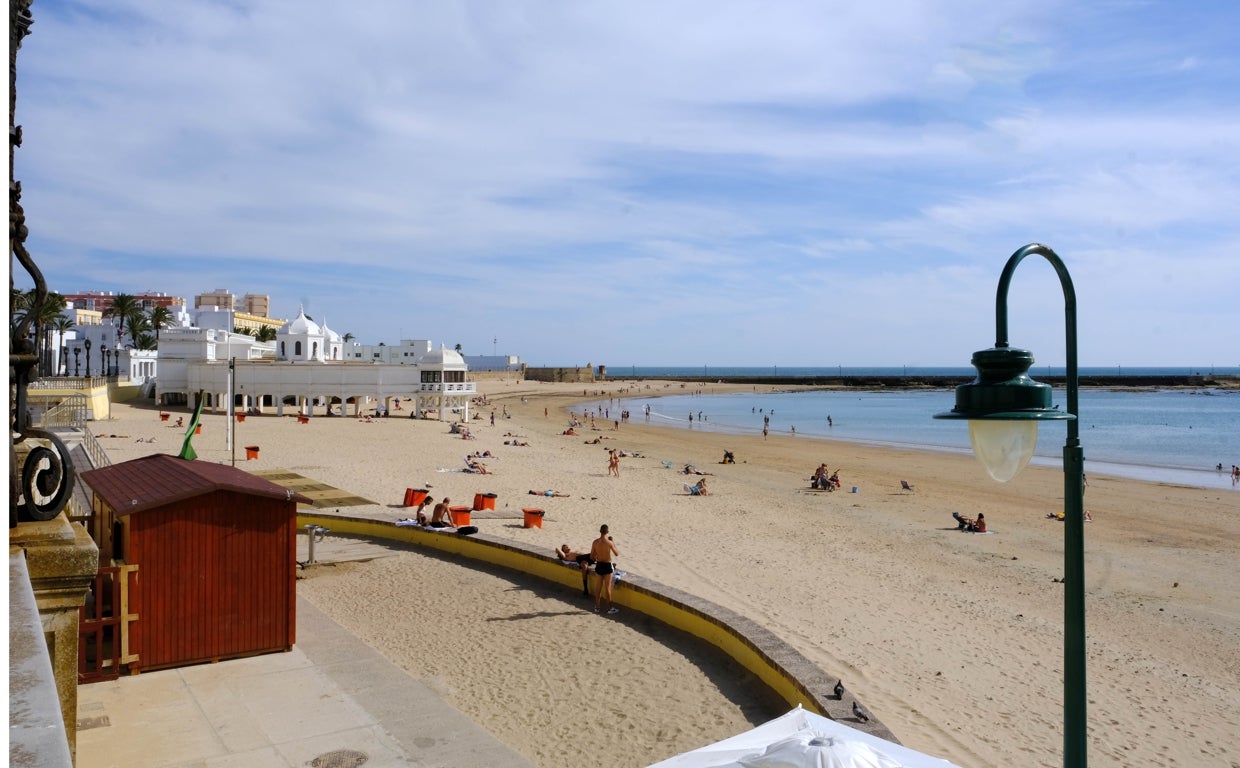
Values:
[(954, 640)]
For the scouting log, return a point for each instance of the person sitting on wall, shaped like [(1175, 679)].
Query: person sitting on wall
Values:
[(582, 559)]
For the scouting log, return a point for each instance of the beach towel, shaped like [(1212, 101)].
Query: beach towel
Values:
[(407, 523)]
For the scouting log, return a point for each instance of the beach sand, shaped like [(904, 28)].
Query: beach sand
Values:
[(954, 640)]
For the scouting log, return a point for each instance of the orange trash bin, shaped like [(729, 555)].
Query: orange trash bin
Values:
[(488, 500), (532, 518), (240, 417), (198, 430), (460, 515), (251, 452), (477, 501), (414, 496)]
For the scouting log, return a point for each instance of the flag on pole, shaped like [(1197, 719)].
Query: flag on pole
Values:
[(187, 450)]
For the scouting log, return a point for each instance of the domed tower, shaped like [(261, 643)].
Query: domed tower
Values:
[(334, 345), (300, 340)]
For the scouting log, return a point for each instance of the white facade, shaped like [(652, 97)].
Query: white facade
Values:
[(303, 370), (407, 352)]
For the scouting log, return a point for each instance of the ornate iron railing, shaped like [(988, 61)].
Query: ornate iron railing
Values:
[(43, 482)]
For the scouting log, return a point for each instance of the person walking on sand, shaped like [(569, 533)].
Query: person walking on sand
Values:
[(603, 549), (613, 463)]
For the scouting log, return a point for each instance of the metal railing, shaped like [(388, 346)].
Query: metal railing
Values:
[(69, 411)]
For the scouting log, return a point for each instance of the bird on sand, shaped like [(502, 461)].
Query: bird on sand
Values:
[(839, 689), (860, 713)]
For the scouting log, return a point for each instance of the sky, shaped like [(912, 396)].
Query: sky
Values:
[(801, 183)]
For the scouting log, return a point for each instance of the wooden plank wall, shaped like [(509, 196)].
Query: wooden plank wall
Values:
[(218, 578)]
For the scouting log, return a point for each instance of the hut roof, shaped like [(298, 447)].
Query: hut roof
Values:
[(160, 479)]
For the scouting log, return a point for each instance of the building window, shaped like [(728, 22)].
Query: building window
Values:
[(297, 349)]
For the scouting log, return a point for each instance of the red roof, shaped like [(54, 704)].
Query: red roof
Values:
[(161, 479)]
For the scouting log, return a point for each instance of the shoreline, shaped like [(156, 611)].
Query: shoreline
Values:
[(935, 630)]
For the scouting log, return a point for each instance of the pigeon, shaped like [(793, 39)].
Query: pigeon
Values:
[(860, 713), (839, 689)]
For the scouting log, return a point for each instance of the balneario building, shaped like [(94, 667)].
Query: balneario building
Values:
[(305, 369)]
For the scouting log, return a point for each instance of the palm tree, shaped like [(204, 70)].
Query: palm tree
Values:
[(140, 326), (458, 349), (266, 333), (144, 341), (347, 338), (42, 317), (160, 317), (125, 308)]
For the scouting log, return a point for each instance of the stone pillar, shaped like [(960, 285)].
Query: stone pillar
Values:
[(62, 561)]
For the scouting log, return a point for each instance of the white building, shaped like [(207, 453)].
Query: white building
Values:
[(307, 368)]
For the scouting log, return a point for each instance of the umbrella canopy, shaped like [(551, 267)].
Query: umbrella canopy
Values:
[(803, 739)]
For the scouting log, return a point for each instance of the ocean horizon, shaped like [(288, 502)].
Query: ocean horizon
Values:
[(711, 372), (1175, 435)]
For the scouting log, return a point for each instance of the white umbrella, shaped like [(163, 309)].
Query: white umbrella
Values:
[(801, 739), (808, 749)]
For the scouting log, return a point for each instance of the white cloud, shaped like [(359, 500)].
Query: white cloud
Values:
[(643, 182)]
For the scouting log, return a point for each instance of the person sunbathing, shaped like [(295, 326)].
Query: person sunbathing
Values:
[(698, 489), (582, 559), (692, 470), (549, 493), (472, 465)]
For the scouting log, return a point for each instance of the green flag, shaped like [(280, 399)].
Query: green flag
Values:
[(187, 450)]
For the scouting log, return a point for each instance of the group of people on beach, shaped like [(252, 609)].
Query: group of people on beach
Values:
[(823, 479), (440, 517), (601, 556)]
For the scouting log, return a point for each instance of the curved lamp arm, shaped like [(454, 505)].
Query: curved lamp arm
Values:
[(1069, 309)]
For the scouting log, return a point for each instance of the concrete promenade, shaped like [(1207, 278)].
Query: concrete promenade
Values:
[(330, 702)]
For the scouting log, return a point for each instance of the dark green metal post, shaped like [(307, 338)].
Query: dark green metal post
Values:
[(1075, 723)]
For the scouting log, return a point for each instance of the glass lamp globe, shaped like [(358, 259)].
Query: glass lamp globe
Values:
[(1003, 447)]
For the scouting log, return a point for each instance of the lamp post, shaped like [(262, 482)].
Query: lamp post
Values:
[(87, 343), (103, 359), (1003, 406), (64, 356), (77, 351)]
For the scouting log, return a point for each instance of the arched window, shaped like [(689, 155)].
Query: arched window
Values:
[(315, 355), (281, 349), (297, 349)]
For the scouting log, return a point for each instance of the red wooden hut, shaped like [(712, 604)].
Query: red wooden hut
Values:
[(203, 561)]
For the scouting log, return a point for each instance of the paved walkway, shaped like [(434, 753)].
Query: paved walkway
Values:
[(328, 703)]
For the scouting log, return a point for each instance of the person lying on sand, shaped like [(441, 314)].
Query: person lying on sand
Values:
[(692, 470), (697, 489), (549, 493)]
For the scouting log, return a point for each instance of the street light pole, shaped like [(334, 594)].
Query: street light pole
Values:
[(1003, 392)]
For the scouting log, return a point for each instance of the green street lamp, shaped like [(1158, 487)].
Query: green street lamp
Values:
[(1003, 407)]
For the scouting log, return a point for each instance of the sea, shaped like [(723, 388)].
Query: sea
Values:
[(1172, 435)]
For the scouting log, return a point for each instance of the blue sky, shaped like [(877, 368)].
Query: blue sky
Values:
[(653, 183)]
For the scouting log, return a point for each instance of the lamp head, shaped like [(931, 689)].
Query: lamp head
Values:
[(1003, 406)]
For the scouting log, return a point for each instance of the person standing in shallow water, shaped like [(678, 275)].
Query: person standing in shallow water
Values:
[(602, 550)]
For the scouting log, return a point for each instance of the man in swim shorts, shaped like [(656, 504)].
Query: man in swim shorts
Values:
[(442, 511), (602, 550)]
